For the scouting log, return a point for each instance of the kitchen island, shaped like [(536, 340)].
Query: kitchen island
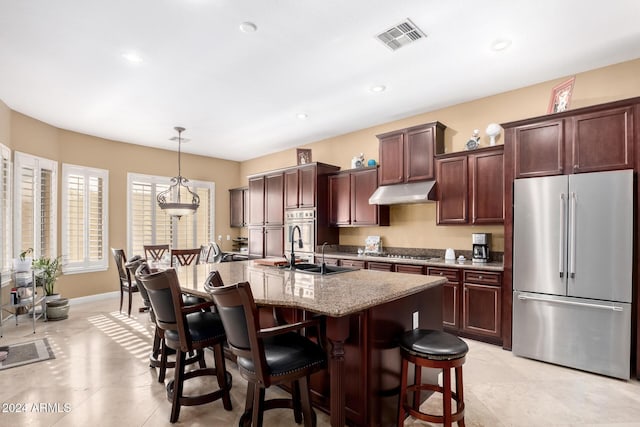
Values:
[(366, 311)]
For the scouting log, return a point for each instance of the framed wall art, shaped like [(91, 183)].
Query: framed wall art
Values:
[(303, 155), (561, 96)]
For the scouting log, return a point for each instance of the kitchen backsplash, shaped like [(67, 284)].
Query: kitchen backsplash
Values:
[(410, 252)]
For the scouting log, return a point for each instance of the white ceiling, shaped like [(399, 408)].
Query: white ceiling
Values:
[(238, 93)]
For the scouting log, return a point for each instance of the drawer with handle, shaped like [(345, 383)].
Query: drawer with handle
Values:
[(482, 277), (449, 273)]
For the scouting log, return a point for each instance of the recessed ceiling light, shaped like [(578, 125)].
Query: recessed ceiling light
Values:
[(500, 44), (132, 57), (302, 116), (248, 27), (378, 88)]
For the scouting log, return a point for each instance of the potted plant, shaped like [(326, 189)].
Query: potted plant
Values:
[(47, 271), (23, 262)]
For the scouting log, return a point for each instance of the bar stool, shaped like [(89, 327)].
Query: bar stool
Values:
[(432, 349)]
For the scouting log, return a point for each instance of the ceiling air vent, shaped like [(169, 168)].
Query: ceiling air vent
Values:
[(402, 34)]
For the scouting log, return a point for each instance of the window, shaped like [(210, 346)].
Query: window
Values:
[(84, 226), (36, 181), (149, 225), (5, 210)]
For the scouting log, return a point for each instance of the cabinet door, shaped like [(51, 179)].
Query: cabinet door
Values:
[(391, 153), (602, 141), (418, 155), (256, 201), (274, 199), (481, 311), (450, 296), (486, 172), (539, 149), (363, 184), (291, 189), (339, 199), (273, 241), (236, 202), (255, 236), (452, 205), (307, 178)]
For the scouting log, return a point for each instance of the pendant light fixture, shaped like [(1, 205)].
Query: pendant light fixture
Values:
[(178, 199)]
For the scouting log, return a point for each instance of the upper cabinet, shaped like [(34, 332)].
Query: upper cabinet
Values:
[(406, 155), (266, 199), (300, 187), (471, 187), (349, 193), (592, 141), (239, 204)]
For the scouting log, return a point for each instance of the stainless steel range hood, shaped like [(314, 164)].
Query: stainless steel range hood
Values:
[(415, 192)]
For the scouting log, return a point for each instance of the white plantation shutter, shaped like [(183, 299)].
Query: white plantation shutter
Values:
[(5, 210), (84, 225), (35, 184), (149, 225)]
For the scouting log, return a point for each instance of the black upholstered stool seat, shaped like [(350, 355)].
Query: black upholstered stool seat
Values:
[(427, 348), (433, 345), (202, 326)]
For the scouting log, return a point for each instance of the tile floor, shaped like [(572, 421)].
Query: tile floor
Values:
[(101, 373)]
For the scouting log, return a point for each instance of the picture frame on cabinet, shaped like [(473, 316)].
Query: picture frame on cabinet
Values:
[(303, 155), (561, 96)]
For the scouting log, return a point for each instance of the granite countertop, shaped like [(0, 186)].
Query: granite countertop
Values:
[(331, 295), (431, 262)]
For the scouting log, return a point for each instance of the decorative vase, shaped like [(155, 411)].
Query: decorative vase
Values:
[(58, 309)]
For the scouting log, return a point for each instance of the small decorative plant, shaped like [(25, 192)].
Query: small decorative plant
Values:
[(23, 262), (47, 271), (23, 254)]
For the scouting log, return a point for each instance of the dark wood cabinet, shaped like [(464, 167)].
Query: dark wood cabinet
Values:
[(349, 193), (486, 185), (450, 297), (274, 199), (410, 269), (452, 190), (300, 187), (255, 240), (340, 199), (380, 266), (406, 155), (602, 141), (470, 187), (274, 241), (256, 201), (481, 311), (352, 263), (238, 204), (590, 142)]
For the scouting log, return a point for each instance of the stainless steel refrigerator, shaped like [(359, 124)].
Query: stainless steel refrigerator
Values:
[(572, 267)]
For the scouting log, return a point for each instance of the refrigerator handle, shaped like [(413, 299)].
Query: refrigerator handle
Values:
[(576, 303), (572, 239), (561, 240)]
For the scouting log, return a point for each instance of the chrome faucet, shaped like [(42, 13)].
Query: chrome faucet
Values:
[(292, 261), (323, 268)]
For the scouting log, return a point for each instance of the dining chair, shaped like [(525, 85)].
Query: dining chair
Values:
[(205, 250), (267, 357), (184, 257), (155, 252), (187, 329), (126, 285)]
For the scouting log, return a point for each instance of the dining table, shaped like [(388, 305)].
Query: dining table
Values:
[(364, 311)]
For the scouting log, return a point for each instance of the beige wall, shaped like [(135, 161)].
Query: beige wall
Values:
[(5, 124), (35, 137), (414, 225)]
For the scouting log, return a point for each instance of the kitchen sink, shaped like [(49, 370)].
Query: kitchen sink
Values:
[(317, 269)]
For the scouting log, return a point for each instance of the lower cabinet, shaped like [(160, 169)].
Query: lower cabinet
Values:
[(482, 303), (471, 303), (266, 241), (352, 263), (380, 266)]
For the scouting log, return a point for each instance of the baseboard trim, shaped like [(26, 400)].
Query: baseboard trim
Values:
[(93, 298)]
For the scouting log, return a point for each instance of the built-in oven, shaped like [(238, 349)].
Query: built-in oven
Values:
[(305, 219)]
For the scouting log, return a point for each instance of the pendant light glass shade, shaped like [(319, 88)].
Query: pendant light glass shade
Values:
[(178, 200)]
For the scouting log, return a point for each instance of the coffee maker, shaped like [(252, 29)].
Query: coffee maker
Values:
[(480, 243)]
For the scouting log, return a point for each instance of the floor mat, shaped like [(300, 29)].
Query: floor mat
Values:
[(27, 352)]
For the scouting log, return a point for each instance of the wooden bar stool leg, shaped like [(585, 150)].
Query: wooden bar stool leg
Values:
[(403, 391), (417, 380), (446, 398), (460, 394)]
